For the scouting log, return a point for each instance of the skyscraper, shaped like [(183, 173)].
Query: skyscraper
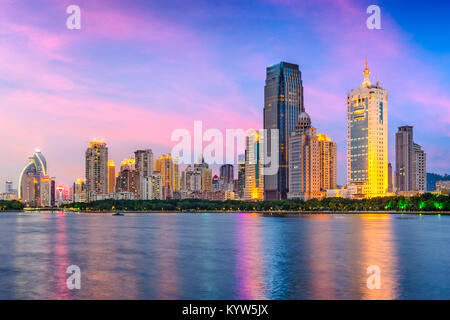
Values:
[(111, 176), (283, 102), (367, 139), (96, 168), (304, 161), (404, 159), (241, 175), (227, 172), (254, 167), (127, 180), (144, 166), (390, 180), (30, 179), (328, 162), (420, 167), (170, 174)]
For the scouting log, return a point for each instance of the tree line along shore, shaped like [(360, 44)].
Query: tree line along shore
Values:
[(425, 203)]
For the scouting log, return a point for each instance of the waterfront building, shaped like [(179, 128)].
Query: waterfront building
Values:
[(443, 187), (127, 179), (144, 167), (168, 167), (390, 179), (227, 173), (79, 191), (97, 168), (111, 176), (191, 180), (206, 175), (305, 161), (420, 167), (152, 187), (410, 163), (367, 139), (30, 179), (254, 167), (241, 176), (283, 102), (328, 162), (404, 159)]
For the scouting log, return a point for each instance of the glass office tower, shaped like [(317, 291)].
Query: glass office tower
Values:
[(283, 102)]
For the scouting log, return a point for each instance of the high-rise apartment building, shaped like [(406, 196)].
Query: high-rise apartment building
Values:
[(254, 167), (420, 167), (241, 175), (410, 162), (96, 168), (367, 139), (328, 162), (404, 159), (152, 187), (283, 102), (168, 167), (8, 186), (144, 166), (304, 161), (127, 180), (111, 176)]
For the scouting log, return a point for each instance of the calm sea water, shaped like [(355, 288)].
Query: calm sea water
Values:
[(223, 256)]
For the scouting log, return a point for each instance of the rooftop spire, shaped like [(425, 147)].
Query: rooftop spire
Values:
[(366, 73)]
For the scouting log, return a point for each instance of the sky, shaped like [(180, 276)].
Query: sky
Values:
[(138, 70)]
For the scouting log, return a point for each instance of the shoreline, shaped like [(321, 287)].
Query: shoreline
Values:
[(37, 210)]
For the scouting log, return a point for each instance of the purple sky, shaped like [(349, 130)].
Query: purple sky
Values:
[(136, 71)]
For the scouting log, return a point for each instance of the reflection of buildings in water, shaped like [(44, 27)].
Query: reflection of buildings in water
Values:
[(249, 264), (322, 260), (106, 245), (60, 258), (167, 282), (29, 258), (378, 248)]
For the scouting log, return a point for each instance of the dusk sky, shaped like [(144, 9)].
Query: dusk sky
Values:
[(138, 70)]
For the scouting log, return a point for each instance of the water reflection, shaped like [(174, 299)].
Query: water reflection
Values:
[(378, 247), (249, 264)]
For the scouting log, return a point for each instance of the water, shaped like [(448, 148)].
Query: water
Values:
[(223, 256)]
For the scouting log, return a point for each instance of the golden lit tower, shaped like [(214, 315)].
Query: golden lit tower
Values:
[(111, 176), (367, 139)]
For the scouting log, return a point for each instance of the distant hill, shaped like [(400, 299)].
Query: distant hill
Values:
[(432, 178)]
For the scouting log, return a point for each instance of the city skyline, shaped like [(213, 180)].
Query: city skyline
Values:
[(79, 95)]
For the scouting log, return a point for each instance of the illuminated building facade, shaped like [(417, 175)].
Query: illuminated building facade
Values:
[(127, 179), (254, 167), (144, 167), (170, 174), (31, 180), (111, 176), (97, 168), (328, 162), (304, 161), (367, 139), (283, 102), (241, 176), (79, 191), (152, 187)]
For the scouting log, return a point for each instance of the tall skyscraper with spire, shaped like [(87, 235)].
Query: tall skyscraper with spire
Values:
[(367, 139), (283, 102)]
